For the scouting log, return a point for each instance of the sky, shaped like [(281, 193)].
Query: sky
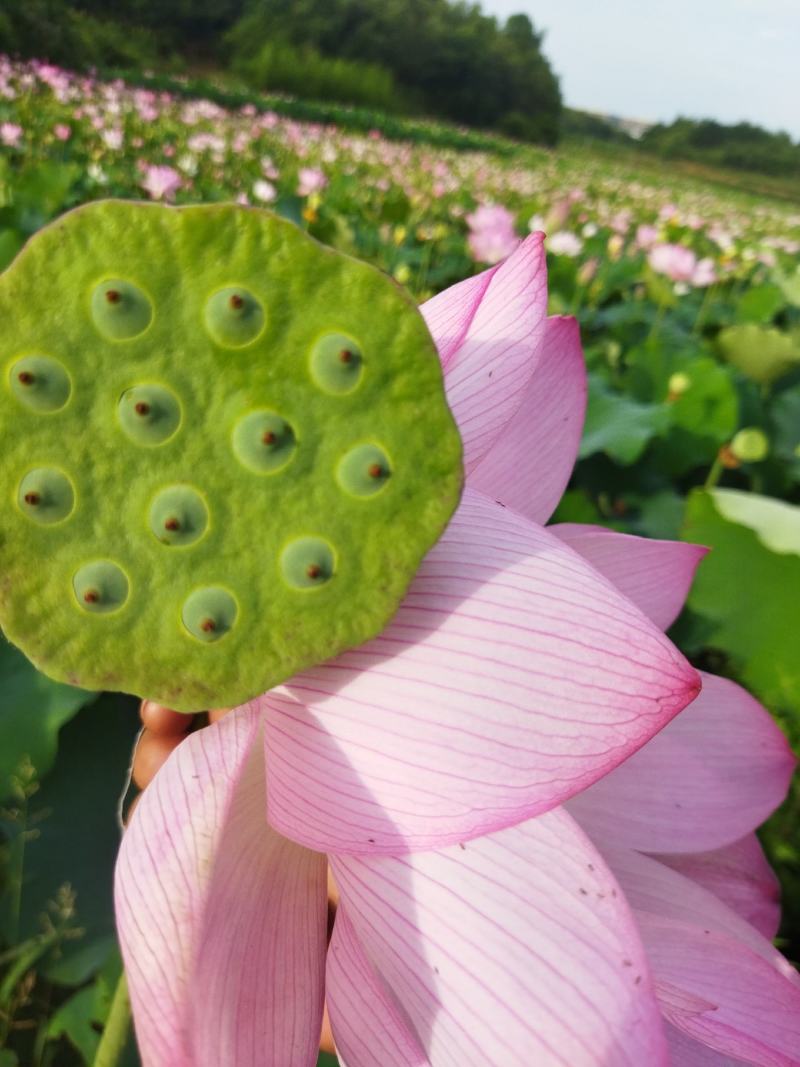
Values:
[(657, 59)]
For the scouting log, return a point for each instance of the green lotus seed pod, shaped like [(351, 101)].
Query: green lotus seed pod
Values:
[(750, 445), (231, 454)]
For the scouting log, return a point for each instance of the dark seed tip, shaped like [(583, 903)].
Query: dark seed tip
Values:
[(375, 470), (113, 296), (237, 302), (25, 377), (33, 499), (313, 570), (345, 356), (142, 409), (268, 438), (172, 524), (91, 596), (208, 626)]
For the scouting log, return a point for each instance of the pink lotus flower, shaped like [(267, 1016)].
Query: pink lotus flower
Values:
[(492, 236), (485, 778), (676, 261), (264, 191), (62, 131), (10, 134), (310, 180), (161, 182)]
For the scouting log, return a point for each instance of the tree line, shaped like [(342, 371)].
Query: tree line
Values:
[(438, 57)]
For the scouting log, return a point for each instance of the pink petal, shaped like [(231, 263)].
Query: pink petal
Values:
[(722, 994), (512, 676), (530, 463), (656, 575), (684, 1052), (222, 922), (449, 315), (740, 876), (489, 335), (651, 887), (515, 949), (369, 1028), (714, 774)]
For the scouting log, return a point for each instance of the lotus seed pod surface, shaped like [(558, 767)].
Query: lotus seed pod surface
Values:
[(225, 451)]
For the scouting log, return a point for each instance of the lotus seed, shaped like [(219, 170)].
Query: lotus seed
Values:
[(149, 414), (264, 442), (46, 496), (307, 563), (101, 587), (120, 310), (364, 471), (178, 516), (40, 383), (336, 364), (209, 614), (234, 318)]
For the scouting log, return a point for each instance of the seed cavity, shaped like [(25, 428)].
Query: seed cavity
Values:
[(46, 496), (234, 317), (101, 587), (307, 563), (40, 383), (149, 414), (210, 613), (336, 364), (264, 442), (178, 516), (364, 471), (120, 309)]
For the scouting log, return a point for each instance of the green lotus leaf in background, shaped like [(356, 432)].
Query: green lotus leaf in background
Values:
[(763, 354), (32, 711), (748, 587), (620, 427)]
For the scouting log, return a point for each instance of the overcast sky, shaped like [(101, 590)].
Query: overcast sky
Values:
[(656, 59)]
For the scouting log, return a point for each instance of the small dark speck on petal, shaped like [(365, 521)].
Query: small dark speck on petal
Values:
[(591, 866), (638, 979), (627, 963), (583, 892), (462, 846), (371, 840)]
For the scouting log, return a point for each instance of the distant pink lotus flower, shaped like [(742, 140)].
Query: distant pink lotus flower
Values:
[(161, 182), (10, 134), (682, 265), (264, 191), (646, 236), (488, 778), (564, 243), (704, 273), (62, 131), (676, 261), (310, 180), (491, 233)]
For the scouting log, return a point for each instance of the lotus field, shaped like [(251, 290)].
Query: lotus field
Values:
[(467, 761)]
